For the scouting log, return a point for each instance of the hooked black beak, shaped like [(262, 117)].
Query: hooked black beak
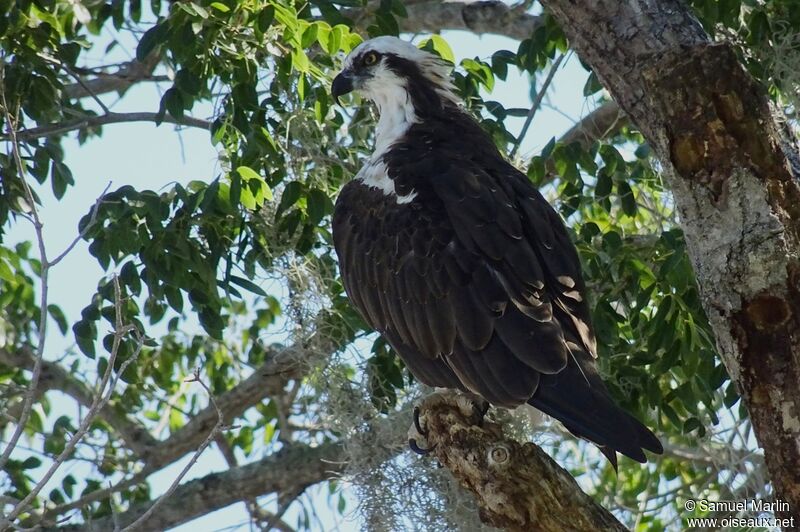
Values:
[(342, 84)]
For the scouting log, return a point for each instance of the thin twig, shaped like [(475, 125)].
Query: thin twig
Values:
[(101, 398), (60, 64), (257, 514), (45, 268), (536, 103), (60, 128), (85, 231), (94, 496), (211, 437), (86, 88)]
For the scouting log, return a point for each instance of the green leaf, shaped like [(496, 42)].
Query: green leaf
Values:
[(151, 38), (247, 199), (58, 316), (219, 6), (247, 285), (291, 193), (603, 187), (248, 173), (592, 85), (318, 203), (31, 463), (188, 82), (84, 337), (235, 191), (300, 60), (265, 18), (173, 102), (5, 271), (62, 177), (759, 27), (626, 198), (441, 47)]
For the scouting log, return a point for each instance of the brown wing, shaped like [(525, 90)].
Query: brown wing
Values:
[(461, 282)]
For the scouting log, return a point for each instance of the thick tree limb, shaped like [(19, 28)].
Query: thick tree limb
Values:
[(268, 380), (491, 16), (126, 75), (291, 469), (735, 175), (604, 122), (55, 377), (517, 487)]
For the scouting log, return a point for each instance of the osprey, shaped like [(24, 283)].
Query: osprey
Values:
[(451, 254)]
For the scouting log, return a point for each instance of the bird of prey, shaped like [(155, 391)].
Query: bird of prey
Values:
[(450, 253)]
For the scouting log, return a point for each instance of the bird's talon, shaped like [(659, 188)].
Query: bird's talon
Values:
[(417, 424), (412, 444), (480, 408)]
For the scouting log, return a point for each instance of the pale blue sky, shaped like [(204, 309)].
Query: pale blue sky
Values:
[(146, 156)]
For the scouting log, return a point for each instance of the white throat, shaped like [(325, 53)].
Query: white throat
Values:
[(396, 116)]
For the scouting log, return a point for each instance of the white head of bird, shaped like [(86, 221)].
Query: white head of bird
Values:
[(402, 80)]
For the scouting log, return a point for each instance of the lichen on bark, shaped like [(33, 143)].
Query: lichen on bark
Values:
[(517, 486)]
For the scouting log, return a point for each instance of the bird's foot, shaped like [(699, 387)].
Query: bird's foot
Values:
[(470, 406)]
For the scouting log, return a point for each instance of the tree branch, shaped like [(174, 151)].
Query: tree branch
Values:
[(119, 81), (536, 103), (491, 16), (109, 381), (11, 120), (268, 380), (517, 487), (55, 377), (604, 122), (167, 494), (293, 468), (734, 172), (51, 130)]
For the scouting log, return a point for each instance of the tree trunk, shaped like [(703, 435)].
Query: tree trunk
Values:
[(517, 486), (733, 169)]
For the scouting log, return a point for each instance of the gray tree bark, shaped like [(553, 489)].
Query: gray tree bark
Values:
[(733, 169), (288, 471), (517, 487)]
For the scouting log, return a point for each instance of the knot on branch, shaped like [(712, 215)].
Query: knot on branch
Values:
[(517, 486)]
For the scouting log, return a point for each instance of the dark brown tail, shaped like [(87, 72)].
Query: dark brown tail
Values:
[(577, 397)]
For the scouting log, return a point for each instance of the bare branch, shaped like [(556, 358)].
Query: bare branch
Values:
[(101, 398), (119, 81), (167, 494), (492, 16), (603, 122), (270, 379), (293, 468), (81, 234), (536, 103), (55, 377), (45, 268), (60, 128)]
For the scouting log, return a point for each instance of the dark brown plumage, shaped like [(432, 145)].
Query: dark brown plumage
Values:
[(475, 281)]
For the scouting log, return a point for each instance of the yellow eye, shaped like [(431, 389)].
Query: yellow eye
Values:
[(370, 58)]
